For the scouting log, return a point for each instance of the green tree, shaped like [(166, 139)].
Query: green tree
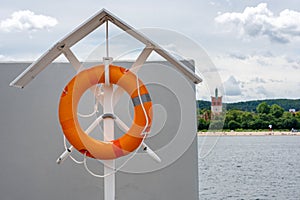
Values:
[(276, 110), (216, 125), (233, 125), (290, 123), (263, 108), (202, 124), (232, 115), (246, 118), (297, 115), (258, 123), (279, 123)]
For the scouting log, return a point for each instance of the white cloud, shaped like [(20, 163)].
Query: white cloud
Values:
[(18, 58), (238, 56), (232, 87), (258, 80), (5, 58), (258, 76), (260, 21), (25, 20)]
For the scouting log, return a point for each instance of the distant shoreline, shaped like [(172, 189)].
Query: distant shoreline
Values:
[(262, 133)]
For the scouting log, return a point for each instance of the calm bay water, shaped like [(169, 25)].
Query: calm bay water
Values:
[(264, 167)]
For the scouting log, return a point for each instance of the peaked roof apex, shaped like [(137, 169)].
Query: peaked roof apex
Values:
[(82, 31)]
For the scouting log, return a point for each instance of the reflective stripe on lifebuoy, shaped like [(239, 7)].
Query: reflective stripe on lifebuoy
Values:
[(68, 112)]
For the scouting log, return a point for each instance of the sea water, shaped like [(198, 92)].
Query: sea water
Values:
[(263, 167)]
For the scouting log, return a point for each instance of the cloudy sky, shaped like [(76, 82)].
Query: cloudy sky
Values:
[(255, 45)]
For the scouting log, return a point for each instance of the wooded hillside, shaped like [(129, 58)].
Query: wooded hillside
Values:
[(250, 106), (252, 115)]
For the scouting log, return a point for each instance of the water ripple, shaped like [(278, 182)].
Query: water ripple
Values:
[(251, 168)]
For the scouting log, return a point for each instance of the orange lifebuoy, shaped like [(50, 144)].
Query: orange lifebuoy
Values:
[(68, 112)]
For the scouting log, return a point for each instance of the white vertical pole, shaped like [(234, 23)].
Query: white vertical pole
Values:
[(106, 38), (108, 126)]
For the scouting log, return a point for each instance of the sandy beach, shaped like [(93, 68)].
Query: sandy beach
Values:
[(258, 133)]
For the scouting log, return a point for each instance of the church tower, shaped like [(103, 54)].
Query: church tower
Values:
[(216, 103)]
